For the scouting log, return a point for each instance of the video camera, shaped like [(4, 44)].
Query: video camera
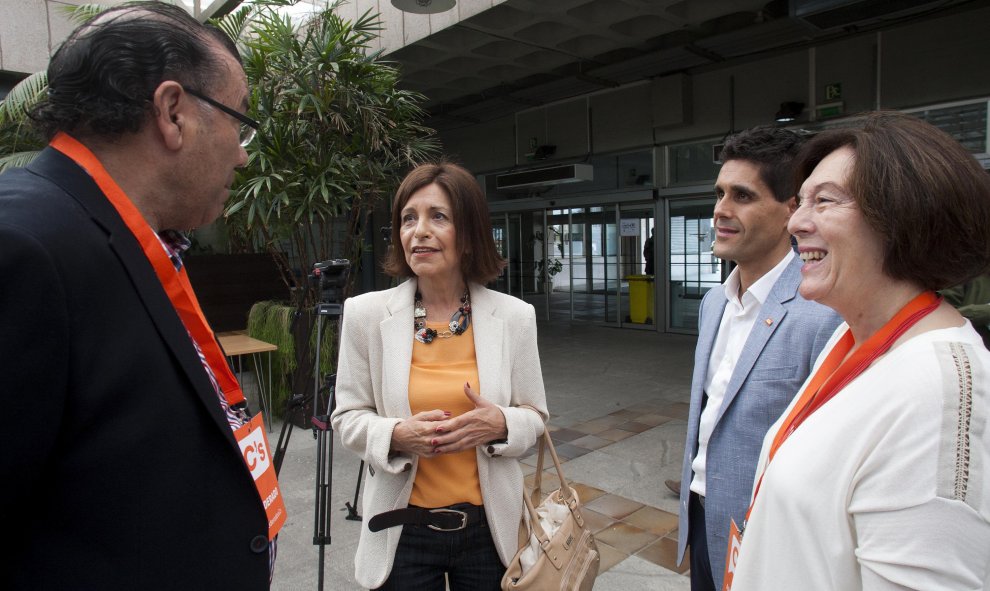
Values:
[(329, 278)]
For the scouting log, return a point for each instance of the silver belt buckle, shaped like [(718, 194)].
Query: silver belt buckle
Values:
[(464, 518)]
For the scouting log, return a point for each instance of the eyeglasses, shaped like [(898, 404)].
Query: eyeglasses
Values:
[(249, 127)]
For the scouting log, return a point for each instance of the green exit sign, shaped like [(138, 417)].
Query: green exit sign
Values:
[(833, 92), (833, 109)]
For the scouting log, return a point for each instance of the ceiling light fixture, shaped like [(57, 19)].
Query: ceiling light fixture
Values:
[(789, 111), (424, 6)]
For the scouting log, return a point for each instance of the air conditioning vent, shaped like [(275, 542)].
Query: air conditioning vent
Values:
[(541, 177)]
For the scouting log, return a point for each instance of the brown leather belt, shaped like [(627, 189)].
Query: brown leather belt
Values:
[(453, 518)]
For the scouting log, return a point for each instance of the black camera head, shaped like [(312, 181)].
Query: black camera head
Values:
[(331, 274), (329, 278)]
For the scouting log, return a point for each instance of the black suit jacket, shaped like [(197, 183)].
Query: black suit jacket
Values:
[(117, 467)]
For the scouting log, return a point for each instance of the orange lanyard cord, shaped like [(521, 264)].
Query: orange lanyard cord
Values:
[(176, 284), (834, 374)]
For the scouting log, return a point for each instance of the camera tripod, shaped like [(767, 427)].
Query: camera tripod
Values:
[(330, 277)]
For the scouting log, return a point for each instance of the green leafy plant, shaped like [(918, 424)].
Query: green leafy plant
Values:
[(336, 136), (19, 142), (273, 322), (550, 266), (547, 266)]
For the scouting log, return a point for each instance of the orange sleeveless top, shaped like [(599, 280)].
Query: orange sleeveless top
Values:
[(436, 381)]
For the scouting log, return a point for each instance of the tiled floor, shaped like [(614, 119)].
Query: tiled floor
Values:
[(618, 402), (622, 527)]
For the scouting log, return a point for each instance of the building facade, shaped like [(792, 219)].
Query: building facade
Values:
[(595, 124)]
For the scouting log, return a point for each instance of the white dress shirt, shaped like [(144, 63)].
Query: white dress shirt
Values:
[(737, 321)]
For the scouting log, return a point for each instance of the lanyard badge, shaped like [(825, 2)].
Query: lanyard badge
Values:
[(257, 455)]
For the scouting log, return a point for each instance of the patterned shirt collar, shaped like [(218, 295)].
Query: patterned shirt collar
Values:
[(176, 244)]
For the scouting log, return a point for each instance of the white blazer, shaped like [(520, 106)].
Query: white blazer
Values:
[(373, 396)]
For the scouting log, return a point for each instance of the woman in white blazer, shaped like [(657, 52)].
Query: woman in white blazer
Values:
[(875, 478), (430, 379)]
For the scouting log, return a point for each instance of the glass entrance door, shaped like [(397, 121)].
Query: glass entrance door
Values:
[(636, 270), (500, 232), (517, 277), (572, 264), (693, 268), (564, 253), (585, 241)]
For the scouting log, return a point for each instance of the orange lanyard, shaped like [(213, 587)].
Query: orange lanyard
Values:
[(834, 373), (176, 284)]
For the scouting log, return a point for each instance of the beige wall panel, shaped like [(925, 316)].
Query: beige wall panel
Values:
[(24, 42), (442, 20), (531, 129), (622, 118), (392, 36), (851, 63), (567, 128), (482, 148), (762, 85), (415, 27), (939, 60), (671, 101), (710, 109)]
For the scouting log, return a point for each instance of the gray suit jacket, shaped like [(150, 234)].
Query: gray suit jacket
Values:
[(779, 353), (373, 396)]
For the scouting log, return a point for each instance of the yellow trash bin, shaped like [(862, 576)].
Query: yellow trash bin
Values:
[(640, 298)]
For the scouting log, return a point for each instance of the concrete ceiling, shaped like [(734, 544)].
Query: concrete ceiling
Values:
[(524, 53)]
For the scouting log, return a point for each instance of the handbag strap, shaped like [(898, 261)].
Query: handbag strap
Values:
[(547, 443), (566, 492)]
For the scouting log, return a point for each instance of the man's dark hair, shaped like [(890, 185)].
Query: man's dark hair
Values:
[(773, 150), (103, 77)]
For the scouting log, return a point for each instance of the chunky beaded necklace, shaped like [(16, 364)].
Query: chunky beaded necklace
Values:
[(459, 320)]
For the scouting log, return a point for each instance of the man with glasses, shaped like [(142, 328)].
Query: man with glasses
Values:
[(122, 463), (249, 127)]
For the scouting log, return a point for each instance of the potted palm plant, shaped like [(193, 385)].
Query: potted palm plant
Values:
[(337, 134), (546, 269), (548, 266)]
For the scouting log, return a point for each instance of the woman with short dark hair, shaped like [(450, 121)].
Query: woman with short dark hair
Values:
[(876, 476), (429, 383)]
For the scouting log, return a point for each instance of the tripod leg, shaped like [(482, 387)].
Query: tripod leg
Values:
[(283, 443), (282, 446), (324, 484), (352, 511)]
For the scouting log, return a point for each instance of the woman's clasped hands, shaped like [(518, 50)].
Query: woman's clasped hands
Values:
[(435, 432)]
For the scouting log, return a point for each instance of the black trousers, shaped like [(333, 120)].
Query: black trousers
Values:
[(426, 560), (701, 568)]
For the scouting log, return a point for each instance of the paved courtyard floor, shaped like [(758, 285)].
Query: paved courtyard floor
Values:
[(618, 401)]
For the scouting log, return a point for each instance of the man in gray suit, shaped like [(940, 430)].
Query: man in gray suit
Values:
[(757, 342)]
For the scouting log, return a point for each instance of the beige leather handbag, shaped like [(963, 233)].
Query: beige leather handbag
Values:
[(566, 559)]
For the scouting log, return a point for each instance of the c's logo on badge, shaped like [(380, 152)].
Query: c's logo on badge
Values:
[(255, 453)]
